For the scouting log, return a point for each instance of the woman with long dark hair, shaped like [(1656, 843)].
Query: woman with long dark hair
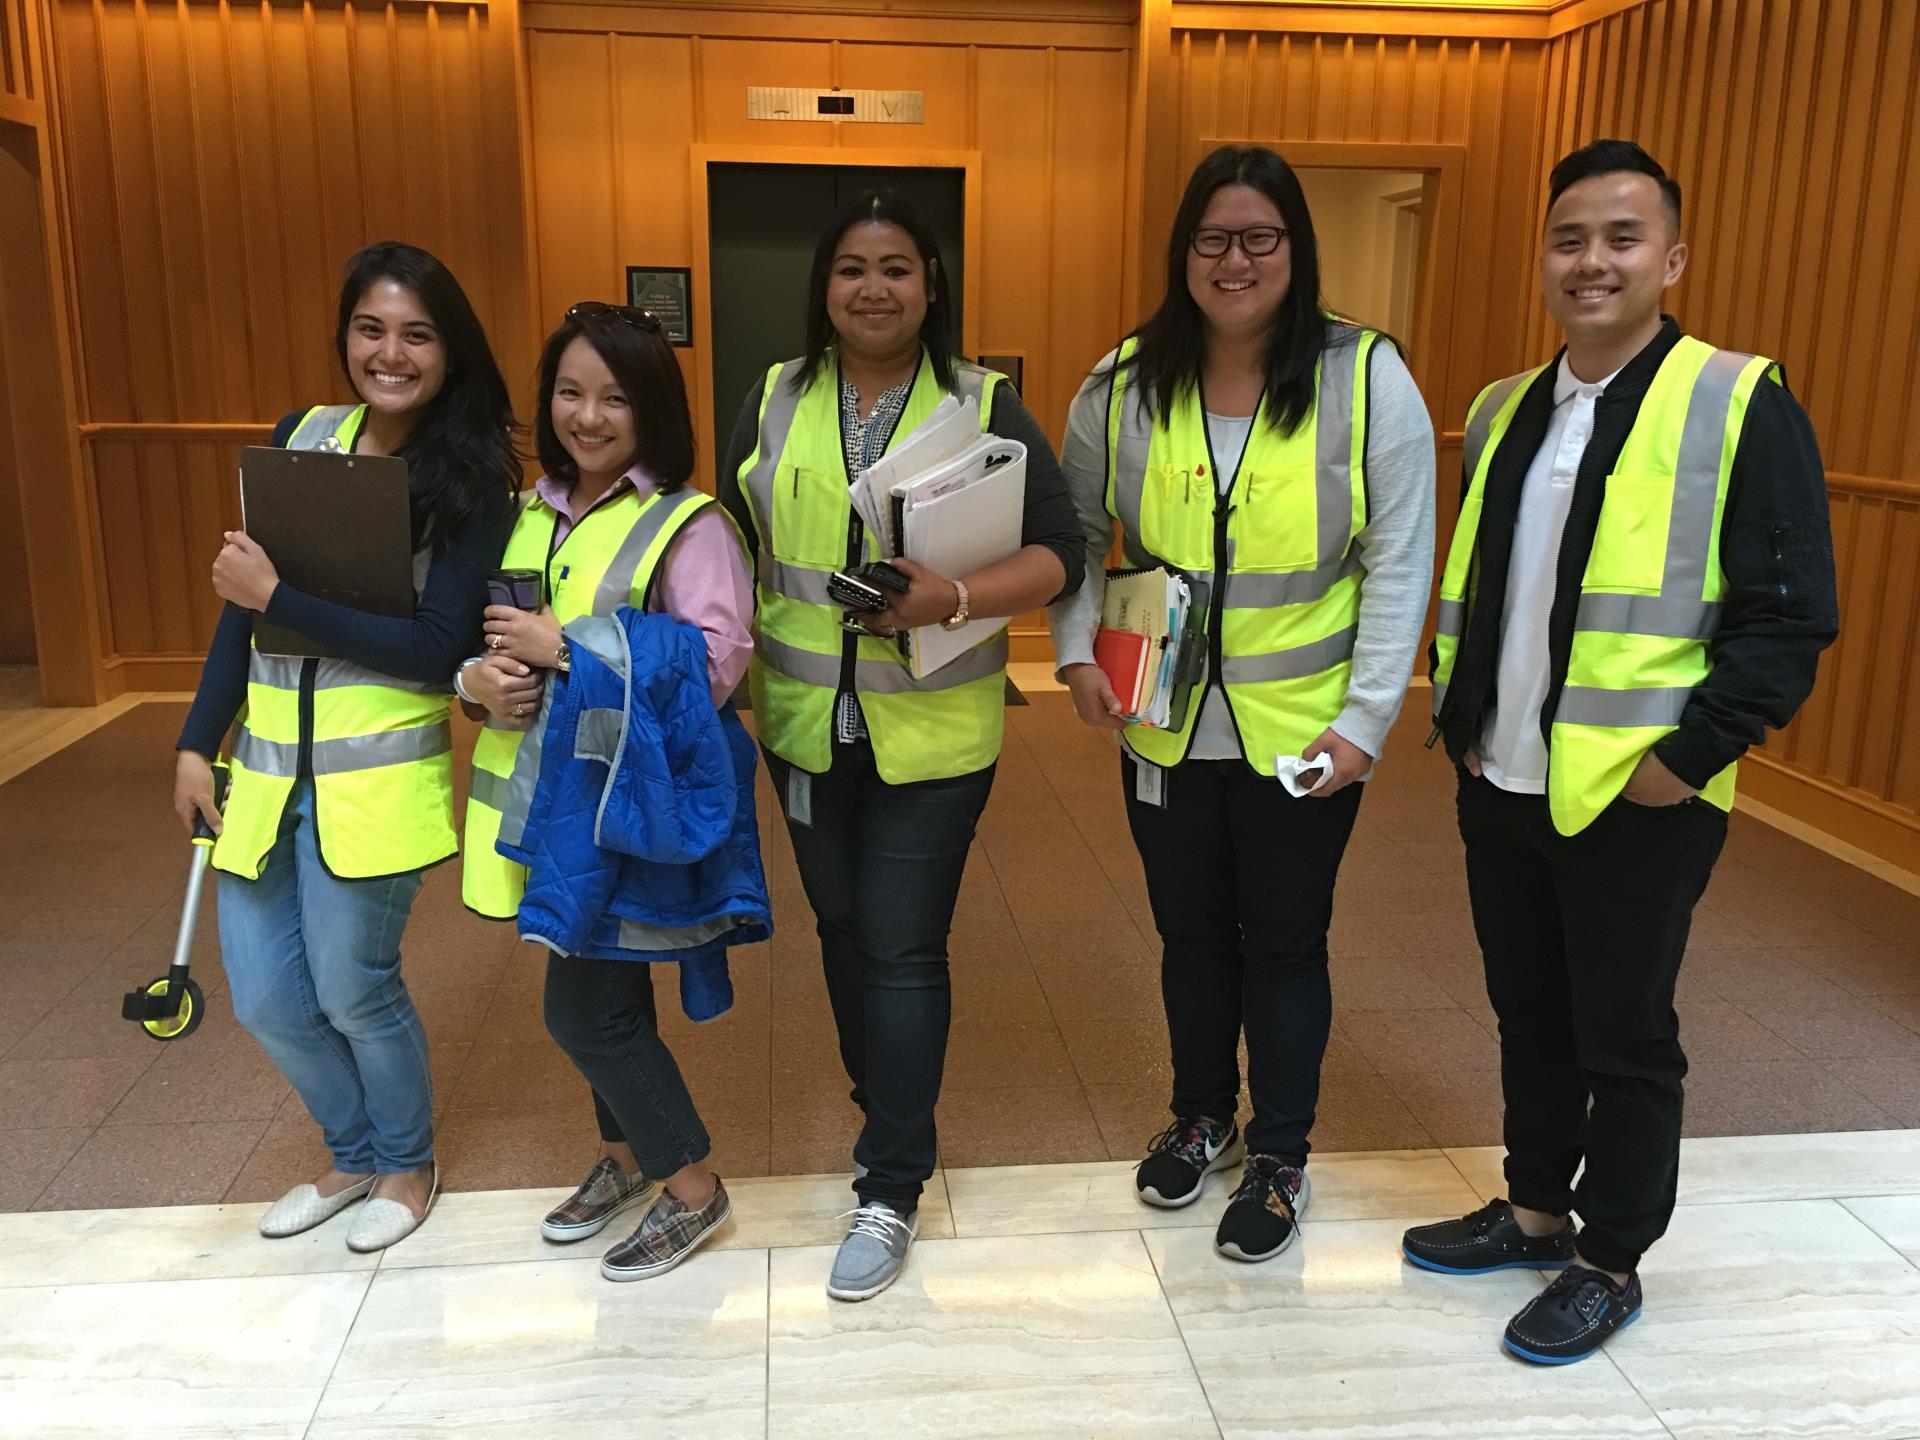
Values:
[(1249, 438), (882, 777), (342, 771), (612, 527)]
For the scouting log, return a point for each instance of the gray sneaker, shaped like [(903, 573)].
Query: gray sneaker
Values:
[(874, 1252)]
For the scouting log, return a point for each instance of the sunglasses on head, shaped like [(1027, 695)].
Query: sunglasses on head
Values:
[(599, 310)]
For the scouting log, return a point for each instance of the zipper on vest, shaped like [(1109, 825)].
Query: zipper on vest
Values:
[(1217, 609), (849, 642), (303, 767)]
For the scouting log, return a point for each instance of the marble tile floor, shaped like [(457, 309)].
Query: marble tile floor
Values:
[(1040, 1300)]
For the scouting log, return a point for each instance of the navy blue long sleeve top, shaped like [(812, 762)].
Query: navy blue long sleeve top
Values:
[(444, 630)]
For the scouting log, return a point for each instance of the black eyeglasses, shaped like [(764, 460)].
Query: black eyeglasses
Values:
[(1254, 240), (599, 310)]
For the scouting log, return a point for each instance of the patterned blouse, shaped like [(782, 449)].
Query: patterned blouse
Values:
[(865, 441)]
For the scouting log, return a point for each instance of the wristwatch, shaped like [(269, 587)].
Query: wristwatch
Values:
[(563, 658), (959, 616)]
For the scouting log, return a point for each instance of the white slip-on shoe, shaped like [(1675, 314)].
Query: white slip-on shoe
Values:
[(304, 1207), (383, 1222)]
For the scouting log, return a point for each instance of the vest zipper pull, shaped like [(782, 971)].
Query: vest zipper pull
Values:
[(1433, 737)]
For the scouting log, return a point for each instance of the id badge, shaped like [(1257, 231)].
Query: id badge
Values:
[(800, 796), (1149, 784)]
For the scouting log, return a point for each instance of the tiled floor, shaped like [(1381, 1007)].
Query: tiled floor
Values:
[(1041, 1301), (1800, 998)]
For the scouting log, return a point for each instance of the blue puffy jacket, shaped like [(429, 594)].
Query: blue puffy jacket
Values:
[(640, 836)]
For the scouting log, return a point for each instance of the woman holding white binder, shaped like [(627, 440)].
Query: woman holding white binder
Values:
[(882, 776), (1248, 438)]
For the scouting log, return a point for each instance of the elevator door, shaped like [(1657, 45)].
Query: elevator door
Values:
[(763, 223)]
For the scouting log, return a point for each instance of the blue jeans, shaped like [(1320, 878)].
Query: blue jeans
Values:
[(881, 865), (313, 963)]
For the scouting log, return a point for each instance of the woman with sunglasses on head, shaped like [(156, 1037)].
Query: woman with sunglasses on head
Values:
[(612, 528), (881, 777), (1251, 439), (342, 789)]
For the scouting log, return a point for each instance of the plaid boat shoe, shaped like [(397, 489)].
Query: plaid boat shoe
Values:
[(605, 1192), (668, 1233)]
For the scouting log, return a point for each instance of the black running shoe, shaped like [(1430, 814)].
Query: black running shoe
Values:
[(1264, 1214), (1572, 1317), (1489, 1239), (1180, 1158)]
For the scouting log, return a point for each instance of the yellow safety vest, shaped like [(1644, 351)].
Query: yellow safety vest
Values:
[(796, 483), (606, 561), (1278, 547), (379, 749), (1650, 595)]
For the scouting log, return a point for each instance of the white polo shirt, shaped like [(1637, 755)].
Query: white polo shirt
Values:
[(1513, 753)]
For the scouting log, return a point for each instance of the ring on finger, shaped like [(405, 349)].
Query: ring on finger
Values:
[(494, 642)]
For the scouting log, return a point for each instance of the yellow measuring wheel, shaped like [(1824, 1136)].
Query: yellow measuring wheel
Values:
[(172, 1007)]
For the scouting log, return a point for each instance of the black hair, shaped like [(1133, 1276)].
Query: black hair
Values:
[(1172, 343), (936, 331), (460, 456), (1613, 157), (644, 368)]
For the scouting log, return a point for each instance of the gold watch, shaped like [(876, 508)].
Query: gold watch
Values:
[(959, 616)]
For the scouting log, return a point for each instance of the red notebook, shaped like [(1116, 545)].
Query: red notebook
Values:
[(1123, 655)]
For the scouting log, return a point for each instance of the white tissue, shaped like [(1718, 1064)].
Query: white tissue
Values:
[(1291, 771)]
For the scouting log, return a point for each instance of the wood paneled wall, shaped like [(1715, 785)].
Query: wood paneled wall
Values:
[(620, 94), (222, 161), (1791, 126)]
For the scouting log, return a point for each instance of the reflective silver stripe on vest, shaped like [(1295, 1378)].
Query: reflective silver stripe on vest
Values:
[(489, 789), (600, 636), (1130, 451), (882, 677), (316, 428), (1251, 591), (795, 582), (1480, 423), (1585, 705), (1439, 697), (340, 757), (282, 672), (1452, 617), (616, 585), (1696, 475), (776, 423), (1666, 615), (1295, 664), (1333, 448)]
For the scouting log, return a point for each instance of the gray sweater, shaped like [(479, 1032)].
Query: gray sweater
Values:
[(1395, 549)]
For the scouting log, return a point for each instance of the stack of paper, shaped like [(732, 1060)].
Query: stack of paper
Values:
[(953, 500), (1149, 644)]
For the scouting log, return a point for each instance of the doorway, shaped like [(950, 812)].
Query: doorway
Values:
[(763, 221), (1367, 223)]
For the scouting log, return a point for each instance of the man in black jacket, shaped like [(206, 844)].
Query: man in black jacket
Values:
[(1601, 665)]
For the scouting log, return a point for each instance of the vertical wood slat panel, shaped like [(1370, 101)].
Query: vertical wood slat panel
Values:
[(1803, 195), (221, 164)]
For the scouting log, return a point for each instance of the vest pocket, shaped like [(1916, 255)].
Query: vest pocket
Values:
[(1630, 542), (810, 510), (1276, 520)]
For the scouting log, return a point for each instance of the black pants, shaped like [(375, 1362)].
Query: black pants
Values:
[(601, 1013), (881, 865), (1582, 937), (1240, 875)]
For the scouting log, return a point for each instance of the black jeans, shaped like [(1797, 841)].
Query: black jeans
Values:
[(1582, 937), (881, 865), (601, 1013), (1240, 875)]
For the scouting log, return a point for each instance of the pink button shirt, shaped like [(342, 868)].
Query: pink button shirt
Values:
[(703, 579)]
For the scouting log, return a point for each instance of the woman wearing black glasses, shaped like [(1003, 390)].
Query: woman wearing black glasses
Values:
[(611, 529), (1281, 455)]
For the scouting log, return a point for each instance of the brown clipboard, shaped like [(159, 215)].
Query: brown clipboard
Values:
[(335, 525)]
